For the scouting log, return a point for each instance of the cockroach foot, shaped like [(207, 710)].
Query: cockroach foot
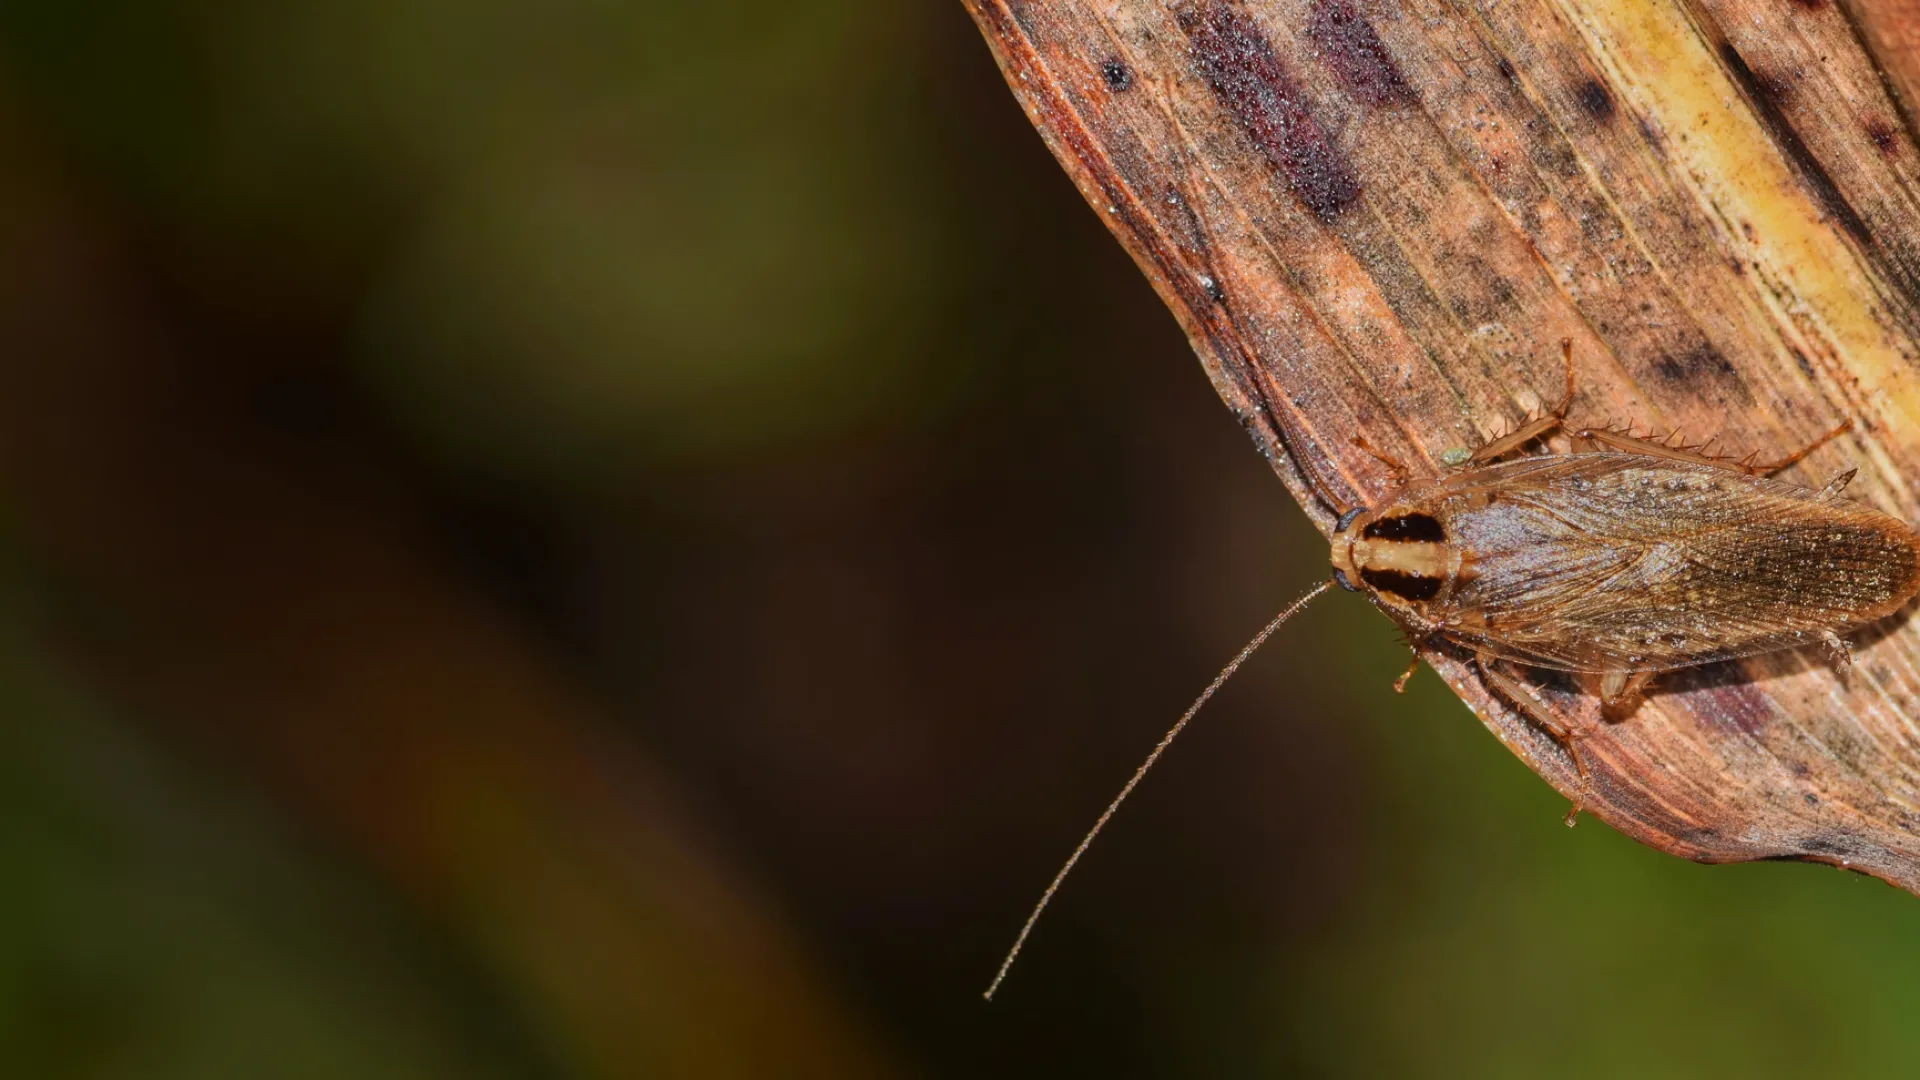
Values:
[(1840, 652)]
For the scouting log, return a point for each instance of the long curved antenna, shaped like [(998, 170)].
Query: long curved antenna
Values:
[(1166, 740)]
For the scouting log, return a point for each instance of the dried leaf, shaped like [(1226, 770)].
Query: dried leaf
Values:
[(1380, 219)]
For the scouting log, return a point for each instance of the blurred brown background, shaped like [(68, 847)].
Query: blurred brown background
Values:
[(609, 540)]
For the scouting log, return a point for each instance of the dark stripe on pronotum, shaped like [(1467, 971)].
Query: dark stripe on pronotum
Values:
[(1422, 527), (1403, 585)]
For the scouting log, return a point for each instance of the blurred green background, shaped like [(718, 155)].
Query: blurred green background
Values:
[(594, 540)]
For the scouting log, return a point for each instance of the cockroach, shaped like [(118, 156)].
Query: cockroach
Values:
[(1619, 560)]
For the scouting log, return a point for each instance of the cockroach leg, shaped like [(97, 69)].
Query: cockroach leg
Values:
[(1841, 651), (1400, 684), (1514, 440), (1532, 429), (1633, 444), (1523, 698), (1394, 465), (1620, 691), (1663, 448), (1773, 467), (1839, 483)]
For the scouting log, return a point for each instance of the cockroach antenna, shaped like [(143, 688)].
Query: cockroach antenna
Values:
[(1166, 740)]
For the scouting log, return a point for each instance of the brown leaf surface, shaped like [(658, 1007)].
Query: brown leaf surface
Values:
[(1381, 219)]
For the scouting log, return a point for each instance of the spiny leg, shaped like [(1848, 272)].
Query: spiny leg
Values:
[(1532, 429), (1633, 444), (1774, 467), (1523, 698)]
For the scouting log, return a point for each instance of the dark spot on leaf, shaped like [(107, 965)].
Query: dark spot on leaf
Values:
[(1649, 134), (1882, 135), (1595, 101), (1774, 86), (1505, 69), (1813, 174), (1118, 76), (1350, 47), (1554, 157), (1800, 358), (1251, 82), (1699, 362)]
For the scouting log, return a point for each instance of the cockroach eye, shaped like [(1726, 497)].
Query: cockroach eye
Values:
[(1346, 519), (1340, 577)]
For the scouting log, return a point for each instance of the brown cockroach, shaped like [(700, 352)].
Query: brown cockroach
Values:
[(1616, 562)]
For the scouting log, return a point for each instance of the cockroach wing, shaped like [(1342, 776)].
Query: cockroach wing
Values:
[(1617, 561)]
